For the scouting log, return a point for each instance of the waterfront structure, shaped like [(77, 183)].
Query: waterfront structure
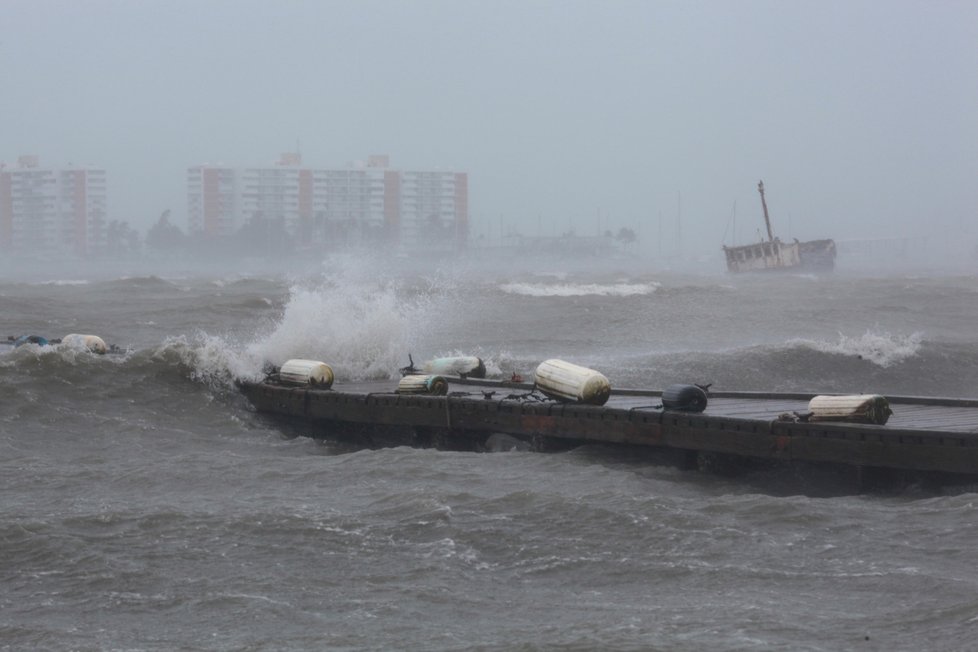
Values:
[(722, 430), (365, 203), (51, 212)]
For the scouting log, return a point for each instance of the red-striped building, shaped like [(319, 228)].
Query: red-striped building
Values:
[(51, 212)]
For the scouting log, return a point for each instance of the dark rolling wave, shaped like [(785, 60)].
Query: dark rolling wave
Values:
[(934, 369)]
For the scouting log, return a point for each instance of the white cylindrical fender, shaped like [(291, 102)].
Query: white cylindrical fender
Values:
[(462, 365), (569, 382), (93, 343), (306, 372), (858, 408), (423, 384)]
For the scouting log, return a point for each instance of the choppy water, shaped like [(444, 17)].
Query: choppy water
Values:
[(147, 507)]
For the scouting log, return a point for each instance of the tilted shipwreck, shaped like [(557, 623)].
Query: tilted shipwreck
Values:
[(773, 254)]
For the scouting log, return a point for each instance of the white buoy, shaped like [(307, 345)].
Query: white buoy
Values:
[(93, 343), (306, 372), (461, 365), (569, 382), (417, 384), (857, 408)]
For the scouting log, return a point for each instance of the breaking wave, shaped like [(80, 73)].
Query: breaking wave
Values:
[(578, 289), (872, 362), (66, 282), (883, 349), (211, 359), (362, 330)]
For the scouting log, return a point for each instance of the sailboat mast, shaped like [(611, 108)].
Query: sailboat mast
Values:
[(767, 220)]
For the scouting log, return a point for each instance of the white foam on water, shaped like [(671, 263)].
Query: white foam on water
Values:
[(58, 354), (64, 282), (579, 289), (880, 348)]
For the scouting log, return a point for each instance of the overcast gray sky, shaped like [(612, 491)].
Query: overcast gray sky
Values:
[(861, 117)]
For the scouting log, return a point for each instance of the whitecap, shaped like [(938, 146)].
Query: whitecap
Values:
[(579, 289), (880, 348), (65, 282)]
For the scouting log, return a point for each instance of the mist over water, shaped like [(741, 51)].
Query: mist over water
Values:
[(147, 506)]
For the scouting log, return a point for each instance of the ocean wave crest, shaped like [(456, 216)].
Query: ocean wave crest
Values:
[(579, 289), (881, 348), (71, 353), (211, 359), (65, 282)]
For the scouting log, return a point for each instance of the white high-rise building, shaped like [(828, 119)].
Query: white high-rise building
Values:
[(52, 211)]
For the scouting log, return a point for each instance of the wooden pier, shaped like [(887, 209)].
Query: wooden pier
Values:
[(923, 434)]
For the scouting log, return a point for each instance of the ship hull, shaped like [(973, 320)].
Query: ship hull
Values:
[(774, 255)]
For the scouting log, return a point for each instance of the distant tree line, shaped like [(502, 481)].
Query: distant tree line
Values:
[(270, 236), (264, 236)]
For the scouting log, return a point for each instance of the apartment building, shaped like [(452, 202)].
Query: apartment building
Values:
[(51, 212), (434, 206), (323, 207)]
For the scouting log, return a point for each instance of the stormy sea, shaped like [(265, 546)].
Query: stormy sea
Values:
[(147, 506)]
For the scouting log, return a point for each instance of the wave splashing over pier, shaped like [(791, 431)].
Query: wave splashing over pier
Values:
[(363, 331)]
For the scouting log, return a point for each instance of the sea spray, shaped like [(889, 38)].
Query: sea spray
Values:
[(362, 328), (362, 332)]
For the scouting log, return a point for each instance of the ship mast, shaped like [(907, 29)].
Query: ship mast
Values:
[(767, 220)]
